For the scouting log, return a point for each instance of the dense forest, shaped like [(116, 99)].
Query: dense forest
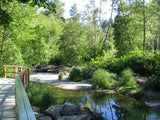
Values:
[(130, 39)]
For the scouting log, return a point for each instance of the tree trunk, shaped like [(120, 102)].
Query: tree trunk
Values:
[(108, 29)]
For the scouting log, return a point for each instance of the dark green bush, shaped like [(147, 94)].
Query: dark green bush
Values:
[(156, 76), (143, 63), (103, 79), (86, 73), (75, 75), (58, 59), (155, 84), (79, 74)]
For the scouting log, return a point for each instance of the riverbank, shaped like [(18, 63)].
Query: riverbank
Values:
[(52, 79)]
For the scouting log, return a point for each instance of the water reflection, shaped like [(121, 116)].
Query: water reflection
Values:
[(114, 107)]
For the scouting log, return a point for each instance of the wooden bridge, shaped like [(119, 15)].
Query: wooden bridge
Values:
[(14, 103)]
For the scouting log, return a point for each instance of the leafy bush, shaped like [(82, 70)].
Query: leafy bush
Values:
[(143, 63), (67, 69), (79, 74), (127, 79), (60, 76), (40, 95), (155, 82), (156, 76), (58, 59), (75, 75), (103, 79), (86, 73)]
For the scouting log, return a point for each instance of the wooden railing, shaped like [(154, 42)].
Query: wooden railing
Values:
[(22, 78), (23, 71)]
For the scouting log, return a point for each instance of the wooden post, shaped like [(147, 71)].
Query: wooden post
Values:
[(21, 69), (15, 71), (5, 71), (28, 76)]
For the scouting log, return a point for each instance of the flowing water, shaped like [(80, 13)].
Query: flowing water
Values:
[(113, 106)]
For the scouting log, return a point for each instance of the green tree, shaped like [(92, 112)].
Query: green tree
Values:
[(74, 13)]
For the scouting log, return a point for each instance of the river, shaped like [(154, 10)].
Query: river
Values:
[(113, 106)]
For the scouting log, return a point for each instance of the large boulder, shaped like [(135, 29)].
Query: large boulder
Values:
[(72, 112), (54, 111), (38, 115), (36, 109), (70, 109)]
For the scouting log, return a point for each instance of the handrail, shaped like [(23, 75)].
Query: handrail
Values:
[(24, 75), (24, 108), (22, 80)]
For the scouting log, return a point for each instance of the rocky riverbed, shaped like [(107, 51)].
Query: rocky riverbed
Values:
[(67, 112)]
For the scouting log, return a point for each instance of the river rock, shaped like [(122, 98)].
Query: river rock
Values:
[(38, 115), (70, 109), (75, 117), (54, 111), (93, 115), (36, 109)]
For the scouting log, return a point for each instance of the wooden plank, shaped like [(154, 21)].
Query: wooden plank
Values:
[(7, 99), (25, 111)]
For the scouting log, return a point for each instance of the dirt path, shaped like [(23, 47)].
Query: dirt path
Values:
[(52, 79)]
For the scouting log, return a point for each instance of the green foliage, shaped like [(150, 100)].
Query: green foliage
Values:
[(103, 79), (156, 72), (67, 69), (155, 82), (80, 74), (127, 79), (58, 59), (40, 95), (86, 73), (75, 75), (60, 76), (143, 63)]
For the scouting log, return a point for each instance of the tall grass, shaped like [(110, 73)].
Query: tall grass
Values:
[(127, 79), (103, 79)]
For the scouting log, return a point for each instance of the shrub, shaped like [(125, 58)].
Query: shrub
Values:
[(60, 76), (79, 74), (75, 75), (127, 79), (86, 73), (67, 69), (143, 63), (58, 59), (103, 79)]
